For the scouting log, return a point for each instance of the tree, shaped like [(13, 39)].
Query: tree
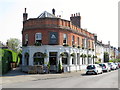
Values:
[(14, 44), (106, 57), (1, 44)]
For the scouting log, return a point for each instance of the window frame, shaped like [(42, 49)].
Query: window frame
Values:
[(65, 38)]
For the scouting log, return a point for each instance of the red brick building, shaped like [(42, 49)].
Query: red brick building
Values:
[(61, 41)]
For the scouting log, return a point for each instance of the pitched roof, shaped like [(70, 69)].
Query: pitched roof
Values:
[(46, 14)]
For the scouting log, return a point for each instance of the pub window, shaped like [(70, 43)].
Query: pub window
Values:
[(26, 39), (38, 38), (73, 40), (89, 44), (64, 38), (78, 41), (83, 42), (93, 45)]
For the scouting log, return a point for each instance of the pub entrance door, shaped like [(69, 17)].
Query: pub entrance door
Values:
[(53, 61)]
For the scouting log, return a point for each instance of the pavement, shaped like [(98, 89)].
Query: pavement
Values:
[(16, 76)]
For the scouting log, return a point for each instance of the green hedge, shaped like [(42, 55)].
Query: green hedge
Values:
[(6, 58), (114, 60)]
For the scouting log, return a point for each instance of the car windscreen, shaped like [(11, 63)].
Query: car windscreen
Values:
[(102, 65), (91, 67)]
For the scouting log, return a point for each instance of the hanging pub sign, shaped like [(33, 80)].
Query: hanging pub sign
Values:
[(53, 38)]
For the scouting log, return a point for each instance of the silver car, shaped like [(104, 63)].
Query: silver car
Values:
[(105, 67), (112, 65)]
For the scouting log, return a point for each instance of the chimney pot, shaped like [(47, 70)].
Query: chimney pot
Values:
[(53, 11), (71, 15), (74, 15), (25, 10)]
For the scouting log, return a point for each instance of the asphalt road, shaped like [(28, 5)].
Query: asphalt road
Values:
[(105, 80)]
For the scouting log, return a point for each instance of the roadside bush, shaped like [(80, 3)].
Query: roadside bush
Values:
[(97, 62), (6, 58)]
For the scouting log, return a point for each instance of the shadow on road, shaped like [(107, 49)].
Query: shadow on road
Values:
[(84, 74), (15, 72)]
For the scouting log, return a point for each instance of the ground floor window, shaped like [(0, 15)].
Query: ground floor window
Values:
[(78, 58), (89, 60), (72, 60), (82, 60), (38, 58), (26, 62), (65, 58), (53, 58)]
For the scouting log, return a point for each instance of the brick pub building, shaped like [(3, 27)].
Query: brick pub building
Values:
[(51, 40)]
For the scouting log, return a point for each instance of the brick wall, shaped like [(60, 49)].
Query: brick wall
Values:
[(46, 25)]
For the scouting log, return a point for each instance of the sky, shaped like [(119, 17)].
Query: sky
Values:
[(97, 16)]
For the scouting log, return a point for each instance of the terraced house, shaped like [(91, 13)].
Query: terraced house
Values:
[(48, 39)]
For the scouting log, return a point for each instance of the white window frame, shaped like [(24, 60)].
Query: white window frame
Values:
[(65, 38), (26, 38), (39, 38)]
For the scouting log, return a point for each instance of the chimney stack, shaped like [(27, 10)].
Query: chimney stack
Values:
[(25, 15), (53, 11), (76, 19), (95, 37)]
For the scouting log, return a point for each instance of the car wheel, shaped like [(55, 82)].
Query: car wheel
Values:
[(96, 73), (86, 73)]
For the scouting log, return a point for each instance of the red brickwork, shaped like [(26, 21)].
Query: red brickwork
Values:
[(46, 25)]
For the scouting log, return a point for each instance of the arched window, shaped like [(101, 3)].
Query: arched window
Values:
[(38, 58), (26, 60), (65, 58)]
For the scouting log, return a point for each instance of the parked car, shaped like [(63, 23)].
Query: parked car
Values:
[(105, 67), (112, 66), (117, 66), (94, 69)]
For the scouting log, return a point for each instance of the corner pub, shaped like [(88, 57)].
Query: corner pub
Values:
[(48, 39)]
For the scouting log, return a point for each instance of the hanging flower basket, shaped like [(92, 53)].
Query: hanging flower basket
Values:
[(45, 55), (94, 56), (37, 44), (83, 48), (73, 54), (78, 47), (84, 55), (81, 55), (89, 55), (62, 54), (89, 48), (74, 45)]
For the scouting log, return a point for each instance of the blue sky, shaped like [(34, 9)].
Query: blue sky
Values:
[(98, 16)]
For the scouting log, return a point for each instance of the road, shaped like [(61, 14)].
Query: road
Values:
[(105, 80)]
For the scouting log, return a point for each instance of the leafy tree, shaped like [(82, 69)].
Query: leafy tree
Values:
[(14, 44), (1, 44), (106, 57)]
